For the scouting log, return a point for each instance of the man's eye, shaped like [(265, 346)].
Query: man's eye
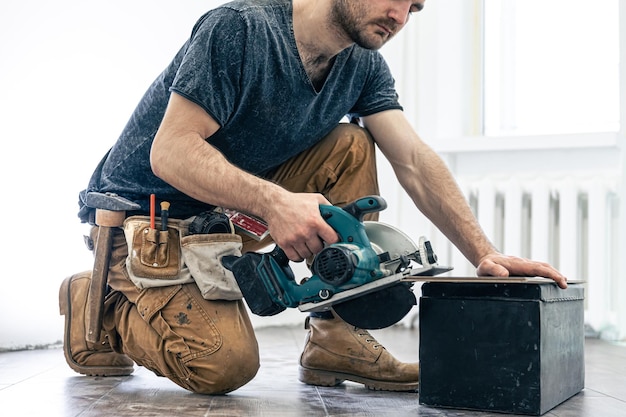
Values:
[(415, 8)]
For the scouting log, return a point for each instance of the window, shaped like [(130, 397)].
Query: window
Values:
[(551, 66)]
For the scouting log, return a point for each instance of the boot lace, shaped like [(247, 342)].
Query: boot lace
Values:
[(368, 337)]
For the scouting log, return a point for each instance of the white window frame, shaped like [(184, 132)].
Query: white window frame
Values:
[(426, 58)]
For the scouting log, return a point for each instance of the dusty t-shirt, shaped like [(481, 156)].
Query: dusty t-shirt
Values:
[(241, 65)]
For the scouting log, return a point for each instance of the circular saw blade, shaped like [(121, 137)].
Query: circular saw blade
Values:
[(387, 238), (378, 309)]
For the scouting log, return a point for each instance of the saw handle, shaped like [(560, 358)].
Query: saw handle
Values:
[(348, 221), (365, 205), (279, 256)]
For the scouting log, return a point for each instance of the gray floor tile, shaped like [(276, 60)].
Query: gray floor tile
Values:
[(39, 383)]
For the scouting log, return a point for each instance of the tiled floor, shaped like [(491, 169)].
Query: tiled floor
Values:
[(39, 383)]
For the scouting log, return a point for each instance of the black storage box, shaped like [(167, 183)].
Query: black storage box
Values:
[(513, 348)]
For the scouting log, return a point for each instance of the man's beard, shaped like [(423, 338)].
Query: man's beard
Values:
[(349, 17)]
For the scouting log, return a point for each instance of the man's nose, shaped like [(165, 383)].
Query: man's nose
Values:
[(399, 12)]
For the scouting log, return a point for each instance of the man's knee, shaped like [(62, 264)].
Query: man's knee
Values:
[(354, 166), (204, 346), (353, 137), (229, 358), (237, 365)]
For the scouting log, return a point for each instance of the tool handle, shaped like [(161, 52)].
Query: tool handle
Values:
[(107, 221), (348, 221), (165, 213), (279, 256), (98, 283), (364, 205)]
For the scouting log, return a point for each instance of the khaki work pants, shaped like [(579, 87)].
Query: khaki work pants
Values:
[(209, 346)]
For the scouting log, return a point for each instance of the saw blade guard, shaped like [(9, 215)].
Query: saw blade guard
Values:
[(385, 238)]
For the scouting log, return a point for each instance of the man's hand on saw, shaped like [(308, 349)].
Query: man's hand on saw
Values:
[(297, 226), (499, 265)]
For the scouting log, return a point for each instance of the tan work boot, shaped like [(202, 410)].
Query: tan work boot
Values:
[(83, 357), (336, 351)]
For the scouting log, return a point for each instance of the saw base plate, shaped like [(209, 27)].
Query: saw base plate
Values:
[(377, 285)]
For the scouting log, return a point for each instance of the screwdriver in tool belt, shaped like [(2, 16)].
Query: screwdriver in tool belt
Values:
[(165, 212)]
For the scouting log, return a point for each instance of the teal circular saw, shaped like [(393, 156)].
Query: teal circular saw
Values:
[(359, 278)]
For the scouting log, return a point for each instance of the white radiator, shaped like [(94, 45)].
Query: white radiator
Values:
[(568, 222)]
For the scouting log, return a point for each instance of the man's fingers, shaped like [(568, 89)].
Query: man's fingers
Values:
[(292, 254), (503, 266), (541, 269), (303, 249), (491, 269)]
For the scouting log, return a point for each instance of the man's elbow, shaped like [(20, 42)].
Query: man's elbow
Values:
[(158, 162)]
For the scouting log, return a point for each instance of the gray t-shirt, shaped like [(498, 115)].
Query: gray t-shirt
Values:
[(242, 66)]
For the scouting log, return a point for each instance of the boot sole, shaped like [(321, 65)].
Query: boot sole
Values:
[(65, 309), (331, 379)]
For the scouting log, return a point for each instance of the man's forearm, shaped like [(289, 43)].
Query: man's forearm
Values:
[(436, 194), (429, 183), (199, 170)]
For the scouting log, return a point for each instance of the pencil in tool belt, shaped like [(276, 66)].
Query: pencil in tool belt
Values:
[(165, 212), (152, 209)]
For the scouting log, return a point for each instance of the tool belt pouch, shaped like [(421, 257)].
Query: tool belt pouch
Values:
[(202, 254), (158, 258), (154, 256)]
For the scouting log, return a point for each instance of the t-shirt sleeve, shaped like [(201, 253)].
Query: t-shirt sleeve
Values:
[(379, 92), (211, 68)]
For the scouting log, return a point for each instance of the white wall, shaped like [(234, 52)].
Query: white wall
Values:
[(71, 73)]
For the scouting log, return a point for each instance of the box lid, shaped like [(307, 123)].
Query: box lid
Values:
[(548, 292)]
